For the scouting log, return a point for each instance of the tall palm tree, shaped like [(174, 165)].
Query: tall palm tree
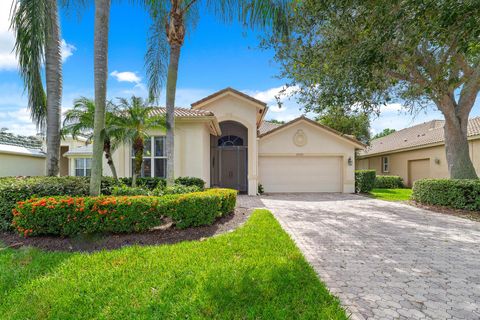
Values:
[(102, 24), (37, 29), (131, 126), (172, 18), (80, 121)]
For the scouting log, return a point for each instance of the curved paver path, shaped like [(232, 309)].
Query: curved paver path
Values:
[(386, 260)]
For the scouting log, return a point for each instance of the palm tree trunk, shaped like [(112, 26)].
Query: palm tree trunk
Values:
[(53, 75), (107, 148), (138, 146), (102, 17), (170, 118)]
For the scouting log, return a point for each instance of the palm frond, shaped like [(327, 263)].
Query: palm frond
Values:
[(30, 22)]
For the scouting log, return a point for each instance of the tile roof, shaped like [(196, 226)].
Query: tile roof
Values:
[(11, 139), (267, 126), (83, 150), (215, 94), (183, 112), (417, 136)]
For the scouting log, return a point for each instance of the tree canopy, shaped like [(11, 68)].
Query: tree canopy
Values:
[(384, 133), (365, 54), (355, 123)]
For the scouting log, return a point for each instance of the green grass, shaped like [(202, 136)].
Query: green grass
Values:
[(392, 194), (255, 272)]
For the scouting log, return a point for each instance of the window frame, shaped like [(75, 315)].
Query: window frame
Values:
[(86, 170), (385, 164), (152, 157)]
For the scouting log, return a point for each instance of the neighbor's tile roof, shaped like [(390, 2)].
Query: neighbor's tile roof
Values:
[(417, 136), (183, 112), (83, 150), (267, 126), (11, 139)]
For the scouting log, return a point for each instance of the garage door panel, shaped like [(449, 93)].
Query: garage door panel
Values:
[(300, 174), (418, 169)]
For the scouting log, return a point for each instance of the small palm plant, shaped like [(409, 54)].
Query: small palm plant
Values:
[(80, 121), (131, 125)]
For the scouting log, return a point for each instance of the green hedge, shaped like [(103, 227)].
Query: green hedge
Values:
[(13, 189), (364, 180), (458, 194), (68, 216), (389, 182), (191, 182)]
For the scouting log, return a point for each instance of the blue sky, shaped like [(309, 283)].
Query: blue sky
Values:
[(215, 55)]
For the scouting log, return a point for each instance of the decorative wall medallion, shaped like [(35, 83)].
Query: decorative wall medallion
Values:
[(300, 138)]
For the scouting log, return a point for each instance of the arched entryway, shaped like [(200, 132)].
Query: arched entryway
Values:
[(229, 157)]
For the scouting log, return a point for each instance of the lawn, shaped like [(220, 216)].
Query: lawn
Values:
[(255, 272), (392, 194)]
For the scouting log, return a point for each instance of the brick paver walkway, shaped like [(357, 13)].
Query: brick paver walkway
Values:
[(385, 260)]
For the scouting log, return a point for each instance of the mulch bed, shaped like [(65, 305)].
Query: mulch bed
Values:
[(471, 215), (90, 243)]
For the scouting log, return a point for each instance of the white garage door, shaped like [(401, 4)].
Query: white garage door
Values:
[(300, 174)]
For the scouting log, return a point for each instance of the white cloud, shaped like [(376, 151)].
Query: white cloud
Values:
[(67, 50), (126, 76)]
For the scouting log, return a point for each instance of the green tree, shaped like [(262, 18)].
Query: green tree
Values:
[(276, 121), (37, 45), (171, 20), (369, 53), (132, 124), (100, 56), (80, 121), (384, 133), (355, 123)]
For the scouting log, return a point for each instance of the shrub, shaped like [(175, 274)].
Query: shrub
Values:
[(389, 182), (149, 183), (260, 189), (364, 180), (67, 216), (14, 189), (458, 194), (191, 181), (130, 191), (176, 189)]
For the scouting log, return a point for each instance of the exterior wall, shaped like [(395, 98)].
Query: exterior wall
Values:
[(436, 155), (192, 152), (21, 165), (319, 143), (236, 109)]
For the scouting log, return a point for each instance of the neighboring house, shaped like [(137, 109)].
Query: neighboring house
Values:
[(416, 152), (224, 140), (25, 156)]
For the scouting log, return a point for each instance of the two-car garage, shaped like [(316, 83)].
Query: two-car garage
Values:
[(304, 156), (301, 173)]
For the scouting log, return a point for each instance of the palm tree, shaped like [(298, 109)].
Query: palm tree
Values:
[(102, 24), (37, 30), (131, 126), (80, 121), (171, 19)]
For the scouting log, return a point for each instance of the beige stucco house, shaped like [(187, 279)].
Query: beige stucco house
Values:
[(416, 152), (225, 140)]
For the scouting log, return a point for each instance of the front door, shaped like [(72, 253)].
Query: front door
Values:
[(230, 169)]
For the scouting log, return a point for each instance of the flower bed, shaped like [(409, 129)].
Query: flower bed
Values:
[(67, 216)]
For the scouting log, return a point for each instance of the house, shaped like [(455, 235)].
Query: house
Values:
[(25, 156), (416, 152), (224, 139)]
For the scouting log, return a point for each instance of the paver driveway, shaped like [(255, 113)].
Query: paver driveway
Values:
[(386, 260)]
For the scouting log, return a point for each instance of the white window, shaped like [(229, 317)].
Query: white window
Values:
[(385, 164), (154, 163), (83, 167)]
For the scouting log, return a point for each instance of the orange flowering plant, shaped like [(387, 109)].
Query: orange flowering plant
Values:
[(67, 216)]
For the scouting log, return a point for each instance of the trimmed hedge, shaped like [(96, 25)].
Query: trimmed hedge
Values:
[(364, 180), (68, 216), (191, 182), (389, 182), (454, 193), (149, 183)]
